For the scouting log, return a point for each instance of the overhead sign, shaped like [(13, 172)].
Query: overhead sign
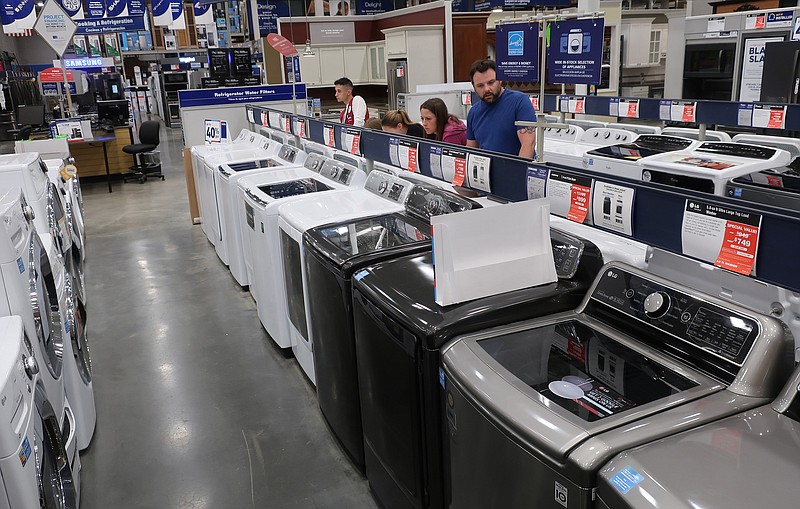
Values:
[(108, 25), (282, 45), (203, 13), (56, 28), (517, 52), (73, 8), (575, 52), (268, 14), (487, 5), (263, 93), (25, 15), (85, 62), (7, 15), (54, 74), (379, 6)]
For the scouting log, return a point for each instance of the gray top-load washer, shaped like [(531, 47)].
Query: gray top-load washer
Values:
[(746, 461), (534, 410)]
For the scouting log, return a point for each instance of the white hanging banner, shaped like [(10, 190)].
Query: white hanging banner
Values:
[(178, 16), (162, 12), (203, 13), (25, 15), (55, 27)]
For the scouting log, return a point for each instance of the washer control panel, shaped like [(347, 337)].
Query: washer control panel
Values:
[(388, 186), (338, 172), (689, 317)]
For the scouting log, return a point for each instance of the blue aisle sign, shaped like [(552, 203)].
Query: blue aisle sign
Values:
[(486, 5), (374, 6), (575, 52), (517, 51), (263, 93), (109, 25)]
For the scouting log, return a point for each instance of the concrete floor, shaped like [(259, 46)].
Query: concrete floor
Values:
[(195, 406)]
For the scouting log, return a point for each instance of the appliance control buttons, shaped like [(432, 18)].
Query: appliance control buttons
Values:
[(656, 304), (31, 366), (647, 176), (686, 316), (382, 187), (629, 293)]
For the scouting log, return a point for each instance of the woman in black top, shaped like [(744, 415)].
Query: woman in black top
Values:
[(398, 122)]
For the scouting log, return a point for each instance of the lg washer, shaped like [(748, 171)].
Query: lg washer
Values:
[(570, 155), (34, 462), (329, 257), (262, 195), (399, 332), (740, 462), (621, 160), (777, 187), (534, 410)]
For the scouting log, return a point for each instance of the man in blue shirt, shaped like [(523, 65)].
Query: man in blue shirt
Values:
[(490, 123)]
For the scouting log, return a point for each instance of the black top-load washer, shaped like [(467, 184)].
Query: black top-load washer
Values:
[(399, 332), (534, 410), (333, 253)]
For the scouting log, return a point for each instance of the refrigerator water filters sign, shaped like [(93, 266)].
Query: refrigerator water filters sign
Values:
[(517, 52), (753, 68), (575, 51), (726, 237)]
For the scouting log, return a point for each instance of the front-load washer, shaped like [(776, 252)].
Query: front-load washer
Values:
[(64, 238), (399, 332), (229, 243), (382, 194), (262, 195), (70, 186), (694, 134), (34, 463), (622, 160), (204, 174), (709, 166), (534, 410), (570, 155), (744, 461), (29, 173), (329, 257)]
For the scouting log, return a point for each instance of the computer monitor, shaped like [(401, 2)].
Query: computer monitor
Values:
[(116, 113), (32, 115)]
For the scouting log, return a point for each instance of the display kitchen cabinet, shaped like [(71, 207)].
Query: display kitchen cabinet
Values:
[(636, 39), (363, 63), (422, 47), (377, 62)]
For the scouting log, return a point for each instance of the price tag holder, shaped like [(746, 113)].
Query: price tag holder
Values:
[(536, 177), (724, 236), (665, 110), (407, 153), (570, 195), (264, 119), (563, 103), (744, 117), (629, 108), (300, 127), (683, 111), (478, 172), (250, 117), (286, 123), (612, 207), (613, 107), (454, 166), (394, 151), (576, 104), (329, 135), (435, 162), (352, 141), (771, 117), (535, 102)]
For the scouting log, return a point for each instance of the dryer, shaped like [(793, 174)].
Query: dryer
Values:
[(262, 196), (382, 194), (570, 155), (399, 332), (329, 257), (709, 166), (229, 243), (33, 452), (621, 160), (740, 462), (534, 410)]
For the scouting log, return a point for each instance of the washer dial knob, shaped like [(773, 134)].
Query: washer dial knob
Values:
[(656, 304)]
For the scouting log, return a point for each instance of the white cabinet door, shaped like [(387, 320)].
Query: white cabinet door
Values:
[(331, 64), (396, 44), (356, 65), (309, 69), (377, 63)]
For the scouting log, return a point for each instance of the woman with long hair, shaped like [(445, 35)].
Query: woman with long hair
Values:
[(440, 125), (398, 122)]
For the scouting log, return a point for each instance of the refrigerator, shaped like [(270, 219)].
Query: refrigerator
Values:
[(397, 78)]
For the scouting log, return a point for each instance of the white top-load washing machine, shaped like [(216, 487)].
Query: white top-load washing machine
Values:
[(557, 136), (204, 181), (586, 124), (32, 447), (229, 243), (208, 190), (635, 128), (382, 194), (279, 136), (312, 147), (570, 155), (694, 134), (778, 187), (621, 160), (709, 166), (554, 399), (261, 197)]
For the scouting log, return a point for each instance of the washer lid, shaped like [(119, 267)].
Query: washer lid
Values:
[(294, 187), (644, 146)]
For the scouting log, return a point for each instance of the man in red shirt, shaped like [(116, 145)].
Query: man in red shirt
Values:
[(355, 109)]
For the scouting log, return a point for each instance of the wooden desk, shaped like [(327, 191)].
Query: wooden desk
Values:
[(91, 161)]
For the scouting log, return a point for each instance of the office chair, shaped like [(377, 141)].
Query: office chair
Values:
[(148, 142)]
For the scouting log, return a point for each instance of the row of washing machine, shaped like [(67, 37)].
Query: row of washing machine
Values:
[(47, 399), (483, 403)]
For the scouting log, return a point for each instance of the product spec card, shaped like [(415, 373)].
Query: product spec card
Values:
[(250, 116), (716, 24), (535, 102), (536, 177), (215, 131), (407, 153), (613, 107), (275, 120), (301, 127), (351, 140), (569, 195), (264, 119), (612, 207), (329, 135), (772, 117), (286, 123), (478, 172), (563, 103), (753, 21), (454, 166), (576, 104), (435, 161), (726, 237), (629, 108), (394, 157), (683, 111)]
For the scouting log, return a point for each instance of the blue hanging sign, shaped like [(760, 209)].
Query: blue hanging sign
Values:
[(116, 8), (263, 93), (9, 19), (374, 6), (95, 9), (576, 51), (109, 25), (136, 8), (517, 52), (73, 8), (268, 14), (487, 5)]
